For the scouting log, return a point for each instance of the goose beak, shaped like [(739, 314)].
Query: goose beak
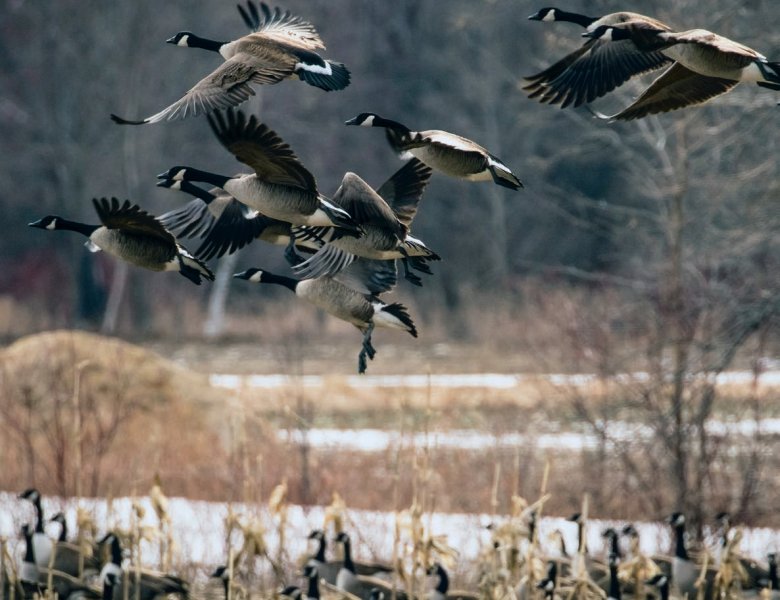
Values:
[(352, 121), (39, 224), (241, 275), (171, 40)]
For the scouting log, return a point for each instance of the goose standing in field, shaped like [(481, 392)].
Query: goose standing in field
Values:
[(443, 151), (442, 589), (35, 579), (550, 582), (280, 188), (613, 591), (364, 311), (67, 557), (595, 68), (361, 586), (385, 218), (152, 585), (41, 543), (280, 46), (133, 235), (684, 570), (706, 65), (329, 569)]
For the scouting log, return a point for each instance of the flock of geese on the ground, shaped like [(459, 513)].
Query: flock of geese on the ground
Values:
[(344, 249), (513, 566)]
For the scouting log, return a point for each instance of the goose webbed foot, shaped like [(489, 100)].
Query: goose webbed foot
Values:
[(367, 350), (412, 278)]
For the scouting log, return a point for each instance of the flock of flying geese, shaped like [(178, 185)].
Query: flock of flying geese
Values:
[(344, 249), (70, 568)]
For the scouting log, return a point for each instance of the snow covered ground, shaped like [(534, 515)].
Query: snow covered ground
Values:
[(199, 529)]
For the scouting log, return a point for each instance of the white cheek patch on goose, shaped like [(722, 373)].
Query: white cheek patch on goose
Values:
[(184, 41), (255, 278), (326, 70)]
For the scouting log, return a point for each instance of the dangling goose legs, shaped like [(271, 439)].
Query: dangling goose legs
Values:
[(367, 350), (408, 275)]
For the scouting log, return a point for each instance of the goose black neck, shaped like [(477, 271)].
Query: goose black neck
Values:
[(614, 583), (320, 555), (680, 551), (348, 564), (291, 284), (314, 587), (83, 229), (664, 589), (63, 532), (389, 124), (226, 586), (38, 515), (212, 178), (614, 545), (196, 191), (773, 582), (29, 557), (570, 17), (116, 551), (195, 41), (108, 588), (444, 580)]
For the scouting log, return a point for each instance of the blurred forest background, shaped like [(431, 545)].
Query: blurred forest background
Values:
[(649, 245)]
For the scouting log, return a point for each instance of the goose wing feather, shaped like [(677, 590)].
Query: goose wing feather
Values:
[(256, 145)]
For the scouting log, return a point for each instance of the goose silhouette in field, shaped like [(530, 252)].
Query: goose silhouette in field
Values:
[(364, 311), (446, 152), (595, 68), (280, 187), (280, 46), (706, 66), (133, 235)]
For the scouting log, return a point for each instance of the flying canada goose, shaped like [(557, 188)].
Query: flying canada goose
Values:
[(442, 589), (133, 235), (41, 542), (384, 216), (443, 151), (280, 188), (706, 65), (225, 224), (364, 311), (360, 585), (68, 556), (152, 585), (595, 68), (281, 46)]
